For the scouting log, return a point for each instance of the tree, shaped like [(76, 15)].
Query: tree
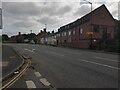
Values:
[(5, 37)]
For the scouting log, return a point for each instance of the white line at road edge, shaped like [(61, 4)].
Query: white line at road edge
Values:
[(29, 50), (99, 64), (30, 84), (107, 59)]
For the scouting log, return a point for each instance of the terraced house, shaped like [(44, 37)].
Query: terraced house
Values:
[(95, 27)]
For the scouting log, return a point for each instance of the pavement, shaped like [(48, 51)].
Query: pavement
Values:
[(11, 61), (69, 68)]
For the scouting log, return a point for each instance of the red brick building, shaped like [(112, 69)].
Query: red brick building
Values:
[(96, 26), (17, 38)]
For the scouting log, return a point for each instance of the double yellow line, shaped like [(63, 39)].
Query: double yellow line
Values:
[(11, 82)]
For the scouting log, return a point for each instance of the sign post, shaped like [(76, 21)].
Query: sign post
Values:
[(1, 23)]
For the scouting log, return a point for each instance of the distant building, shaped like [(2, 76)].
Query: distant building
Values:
[(13, 39), (96, 26), (41, 37), (19, 38), (51, 39)]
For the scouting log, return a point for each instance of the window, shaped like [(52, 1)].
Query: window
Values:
[(58, 35), (68, 26), (64, 33), (65, 27), (69, 33), (96, 28), (81, 30), (73, 32)]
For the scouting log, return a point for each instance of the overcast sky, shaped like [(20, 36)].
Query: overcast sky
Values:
[(25, 15)]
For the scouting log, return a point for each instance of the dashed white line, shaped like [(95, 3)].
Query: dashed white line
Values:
[(37, 74), (30, 84), (107, 59), (44, 81), (100, 64), (29, 50), (4, 63)]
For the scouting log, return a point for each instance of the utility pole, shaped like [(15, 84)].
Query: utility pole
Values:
[(91, 24), (46, 26)]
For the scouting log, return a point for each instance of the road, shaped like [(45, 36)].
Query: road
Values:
[(68, 68), (0, 62), (11, 61)]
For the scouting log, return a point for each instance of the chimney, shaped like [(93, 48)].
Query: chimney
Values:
[(19, 33), (44, 29), (59, 30), (41, 31), (49, 33), (53, 32)]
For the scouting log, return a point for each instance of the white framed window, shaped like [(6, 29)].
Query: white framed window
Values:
[(58, 35), (69, 33), (64, 33), (81, 30), (65, 27), (73, 32), (68, 26)]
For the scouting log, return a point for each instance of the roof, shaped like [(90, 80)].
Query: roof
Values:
[(84, 18)]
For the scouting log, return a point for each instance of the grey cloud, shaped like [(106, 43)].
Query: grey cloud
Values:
[(48, 20), (84, 9), (20, 12), (119, 10), (20, 8), (113, 8), (115, 13), (24, 24), (64, 10)]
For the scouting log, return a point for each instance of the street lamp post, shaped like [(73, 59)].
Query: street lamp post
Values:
[(91, 24), (31, 31)]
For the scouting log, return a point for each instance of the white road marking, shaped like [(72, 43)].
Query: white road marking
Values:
[(29, 50), (30, 84), (107, 59), (33, 49), (100, 64), (44, 81), (37, 74), (55, 53), (4, 63)]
